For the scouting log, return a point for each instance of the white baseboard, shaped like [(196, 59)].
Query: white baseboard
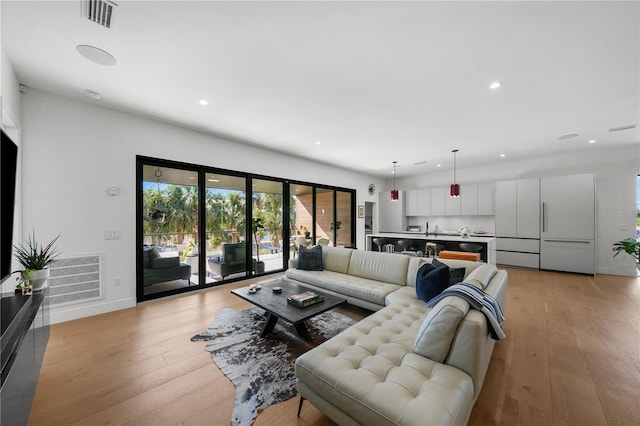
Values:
[(60, 314)]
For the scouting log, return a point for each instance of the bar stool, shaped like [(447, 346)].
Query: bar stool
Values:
[(405, 244), (469, 247), (380, 242)]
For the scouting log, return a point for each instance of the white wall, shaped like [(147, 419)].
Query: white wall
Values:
[(72, 151), (616, 170)]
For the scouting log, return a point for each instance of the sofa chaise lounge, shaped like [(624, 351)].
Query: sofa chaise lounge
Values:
[(405, 364)]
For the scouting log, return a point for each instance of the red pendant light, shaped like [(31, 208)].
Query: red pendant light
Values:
[(455, 188), (394, 191)]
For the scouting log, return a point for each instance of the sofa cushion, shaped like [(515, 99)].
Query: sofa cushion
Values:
[(336, 258), (153, 253), (431, 281), (415, 263), (439, 328), (456, 275), (164, 262), (145, 257), (379, 266), (481, 276), (310, 259), (346, 285), (468, 265)]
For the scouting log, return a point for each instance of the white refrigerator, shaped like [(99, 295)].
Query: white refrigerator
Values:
[(567, 237)]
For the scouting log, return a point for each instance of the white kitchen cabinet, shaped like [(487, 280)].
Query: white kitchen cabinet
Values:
[(411, 202), (469, 199), (392, 213), (438, 201), (517, 211), (486, 195), (475, 199), (506, 218), (451, 205), (518, 208), (528, 208), (424, 202)]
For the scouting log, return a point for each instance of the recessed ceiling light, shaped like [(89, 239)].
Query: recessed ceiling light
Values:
[(317, 142), (213, 180), (96, 55), (192, 177), (203, 102), (503, 155), (495, 85), (438, 165), (591, 141), (568, 136), (93, 95)]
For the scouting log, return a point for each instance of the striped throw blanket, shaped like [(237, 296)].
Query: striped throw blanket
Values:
[(479, 300)]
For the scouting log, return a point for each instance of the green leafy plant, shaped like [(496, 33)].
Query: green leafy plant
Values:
[(35, 256), (630, 246)]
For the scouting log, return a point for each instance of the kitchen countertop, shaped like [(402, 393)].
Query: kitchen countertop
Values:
[(482, 238)]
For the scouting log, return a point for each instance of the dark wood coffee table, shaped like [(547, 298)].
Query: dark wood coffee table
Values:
[(276, 305)]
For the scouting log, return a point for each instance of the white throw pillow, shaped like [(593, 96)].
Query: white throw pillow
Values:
[(439, 327)]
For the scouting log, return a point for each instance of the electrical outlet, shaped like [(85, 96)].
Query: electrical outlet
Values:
[(111, 235), (116, 282)]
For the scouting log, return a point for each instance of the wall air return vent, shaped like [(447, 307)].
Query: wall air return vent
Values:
[(102, 12)]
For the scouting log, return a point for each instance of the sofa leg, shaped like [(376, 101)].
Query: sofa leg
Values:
[(300, 405)]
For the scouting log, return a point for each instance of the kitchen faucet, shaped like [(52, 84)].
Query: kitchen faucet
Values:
[(427, 233)]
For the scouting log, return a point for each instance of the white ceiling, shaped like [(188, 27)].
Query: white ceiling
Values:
[(374, 82)]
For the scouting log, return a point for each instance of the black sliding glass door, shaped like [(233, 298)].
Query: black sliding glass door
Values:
[(199, 226)]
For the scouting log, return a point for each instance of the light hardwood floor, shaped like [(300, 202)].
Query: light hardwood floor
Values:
[(571, 356)]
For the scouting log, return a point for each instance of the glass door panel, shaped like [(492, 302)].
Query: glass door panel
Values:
[(342, 229), (170, 228), (324, 216), (300, 216), (267, 226), (226, 226)]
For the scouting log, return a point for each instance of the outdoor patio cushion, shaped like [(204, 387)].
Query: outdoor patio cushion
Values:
[(164, 262)]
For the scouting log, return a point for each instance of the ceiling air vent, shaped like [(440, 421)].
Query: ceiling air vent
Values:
[(102, 12), (627, 127)]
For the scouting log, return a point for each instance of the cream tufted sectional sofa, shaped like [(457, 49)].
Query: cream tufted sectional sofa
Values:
[(405, 364)]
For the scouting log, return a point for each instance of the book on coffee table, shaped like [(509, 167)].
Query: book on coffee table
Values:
[(305, 299)]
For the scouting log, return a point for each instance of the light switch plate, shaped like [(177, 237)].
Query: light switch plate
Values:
[(111, 235)]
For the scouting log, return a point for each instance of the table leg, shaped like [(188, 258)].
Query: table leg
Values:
[(269, 324), (302, 331)]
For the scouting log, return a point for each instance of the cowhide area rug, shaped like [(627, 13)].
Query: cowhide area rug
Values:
[(261, 369)]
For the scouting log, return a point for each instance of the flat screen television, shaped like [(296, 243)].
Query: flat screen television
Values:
[(8, 168)]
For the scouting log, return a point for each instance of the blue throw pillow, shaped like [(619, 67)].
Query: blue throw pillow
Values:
[(456, 275), (310, 259), (431, 281)]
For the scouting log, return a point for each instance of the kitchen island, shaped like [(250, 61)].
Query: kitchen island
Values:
[(449, 242)]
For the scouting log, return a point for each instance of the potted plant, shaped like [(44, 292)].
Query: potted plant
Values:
[(257, 228), (35, 258), (307, 234), (631, 246)]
